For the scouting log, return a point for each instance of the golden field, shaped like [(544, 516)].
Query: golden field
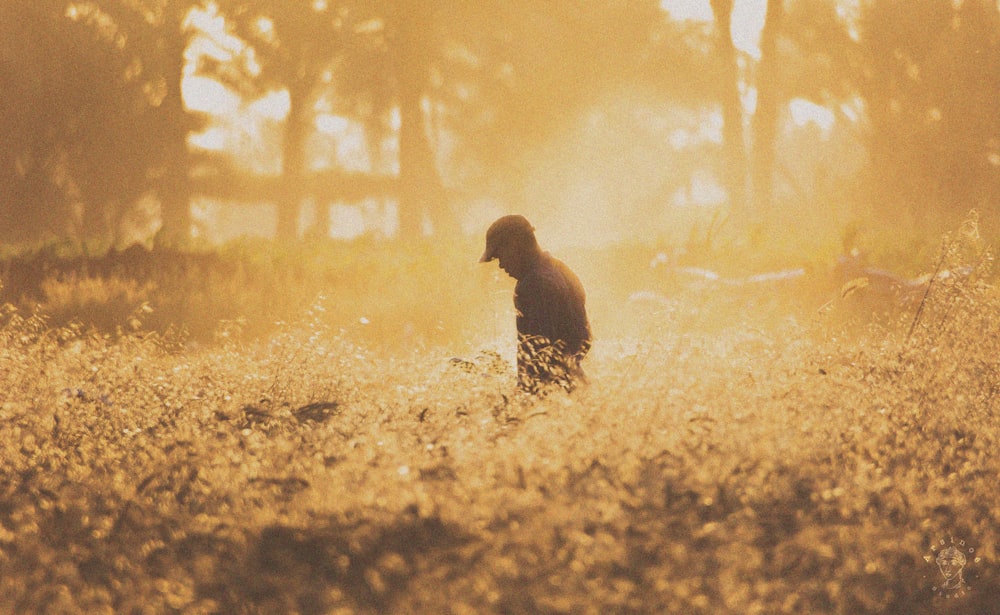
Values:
[(740, 449)]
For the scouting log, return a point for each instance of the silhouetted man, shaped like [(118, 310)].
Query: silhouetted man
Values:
[(552, 329)]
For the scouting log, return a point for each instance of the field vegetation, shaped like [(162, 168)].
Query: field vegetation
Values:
[(335, 429)]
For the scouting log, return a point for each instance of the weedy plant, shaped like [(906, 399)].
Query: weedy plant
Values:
[(736, 468)]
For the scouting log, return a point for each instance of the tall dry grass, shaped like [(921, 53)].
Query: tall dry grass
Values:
[(753, 465)]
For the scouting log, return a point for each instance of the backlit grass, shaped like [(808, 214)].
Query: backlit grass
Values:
[(779, 465)]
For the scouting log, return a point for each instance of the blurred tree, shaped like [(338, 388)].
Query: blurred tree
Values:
[(157, 35), (817, 51), (514, 75), (818, 59), (415, 48), (488, 81), (932, 74), (734, 143), (364, 90), (376, 57), (766, 114), (806, 51), (296, 45), (927, 74), (85, 116), (165, 49), (36, 56)]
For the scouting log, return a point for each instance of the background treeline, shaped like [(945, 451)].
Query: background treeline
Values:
[(457, 101)]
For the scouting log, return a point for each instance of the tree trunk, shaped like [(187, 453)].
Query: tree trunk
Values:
[(293, 162), (735, 173), (411, 156), (765, 118), (421, 193), (375, 133), (321, 224), (175, 186)]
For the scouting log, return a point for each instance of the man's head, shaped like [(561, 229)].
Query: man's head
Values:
[(511, 240)]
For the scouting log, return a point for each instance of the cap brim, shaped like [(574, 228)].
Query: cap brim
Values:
[(487, 256)]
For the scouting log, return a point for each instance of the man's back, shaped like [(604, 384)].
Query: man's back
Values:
[(553, 331), (551, 303)]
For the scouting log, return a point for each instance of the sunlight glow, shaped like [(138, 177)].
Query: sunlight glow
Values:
[(265, 27), (709, 130), (212, 40), (854, 109), (346, 222), (206, 95), (748, 98), (805, 112), (748, 19), (350, 148), (680, 139), (332, 125), (214, 139), (688, 10), (703, 191), (273, 105), (850, 12), (395, 119)]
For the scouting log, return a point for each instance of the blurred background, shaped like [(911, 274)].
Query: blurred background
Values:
[(129, 121), (797, 127)]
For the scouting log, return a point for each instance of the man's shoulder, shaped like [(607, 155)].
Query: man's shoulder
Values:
[(544, 271), (548, 273)]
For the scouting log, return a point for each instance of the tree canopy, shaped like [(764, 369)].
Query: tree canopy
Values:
[(94, 126)]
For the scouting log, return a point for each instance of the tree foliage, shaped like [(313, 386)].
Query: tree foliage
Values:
[(86, 128), (932, 73), (92, 118), (295, 46)]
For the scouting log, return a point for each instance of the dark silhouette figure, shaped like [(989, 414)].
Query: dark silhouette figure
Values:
[(552, 329)]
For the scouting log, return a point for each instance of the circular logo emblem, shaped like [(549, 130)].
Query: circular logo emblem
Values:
[(955, 561)]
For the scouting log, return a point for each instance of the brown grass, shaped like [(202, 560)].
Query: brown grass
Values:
[(742, 465)]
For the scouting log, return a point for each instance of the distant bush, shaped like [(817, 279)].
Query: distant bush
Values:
[(390, 293)]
